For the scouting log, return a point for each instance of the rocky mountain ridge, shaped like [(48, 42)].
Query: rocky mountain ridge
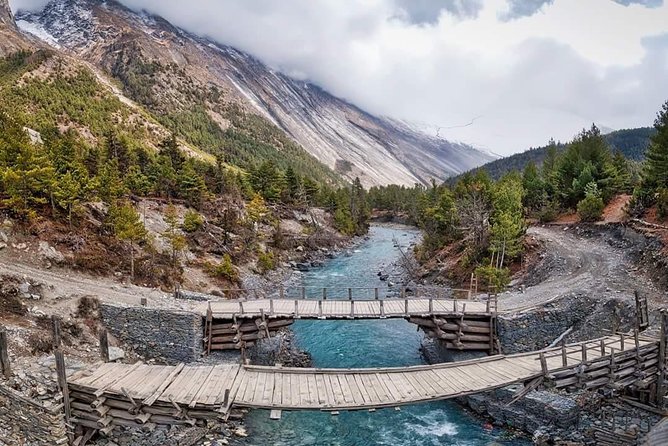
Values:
[(174, 73)]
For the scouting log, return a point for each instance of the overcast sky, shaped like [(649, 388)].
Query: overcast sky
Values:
[(499, 74)]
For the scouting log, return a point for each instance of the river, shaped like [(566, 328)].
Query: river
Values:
[(377, 343)]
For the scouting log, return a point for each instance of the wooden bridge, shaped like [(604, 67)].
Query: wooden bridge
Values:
[(134, 395), (465, 324)]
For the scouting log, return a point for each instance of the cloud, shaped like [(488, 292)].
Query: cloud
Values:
[(447, 62), (429, 11), (647, 3), (27, 5), (523, 8)]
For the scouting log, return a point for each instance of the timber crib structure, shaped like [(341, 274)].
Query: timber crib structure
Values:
[(462, 324)]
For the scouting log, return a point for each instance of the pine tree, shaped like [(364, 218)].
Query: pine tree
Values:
[(170, 148), (68, 193), (128, 227), (176, 239), (655, 174)]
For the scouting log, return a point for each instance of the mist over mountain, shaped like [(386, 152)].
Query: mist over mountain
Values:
[(195, 86)]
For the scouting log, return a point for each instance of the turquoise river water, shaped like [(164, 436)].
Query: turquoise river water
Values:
[(378, 343)]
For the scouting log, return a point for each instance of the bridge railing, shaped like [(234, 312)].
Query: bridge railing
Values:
[(324, 293)]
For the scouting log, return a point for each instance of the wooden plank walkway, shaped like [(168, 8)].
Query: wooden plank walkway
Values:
[(347, 309), (278, 388)]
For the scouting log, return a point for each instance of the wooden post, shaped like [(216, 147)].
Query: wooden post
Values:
[(543, 364), (350, 294), (271, 307), (487, 310), (62, 383), (612, 365), (104, 344), (241, 307), (382, 308), (621, 341), (454, 305), (375, 292), (431, 305), (55, 323), (564, 356), (406, 306), (303, 292), (319, 308), (281, 292), (4, 354), (296, 308), (660, 383), (403, 292), (602, 347), (324, 294), (226, 398), (584, 352), (415, 294), (209, 319), (352, 308)]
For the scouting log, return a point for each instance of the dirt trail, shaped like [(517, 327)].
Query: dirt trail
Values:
[(578, 261)]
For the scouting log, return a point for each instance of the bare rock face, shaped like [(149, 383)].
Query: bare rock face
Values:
[(6, 16), (339, 134)]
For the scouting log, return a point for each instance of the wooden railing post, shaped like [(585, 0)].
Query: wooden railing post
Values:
[(104, 345), (352, 308), (403, 292), (431, 305), (406, 306), (564, 356), (543, 364), (602, 347), (241, 307), (375, 292), (319, 308), (350, 294), (303, 292), (584, 352), (382, 308), (324, 294), (621, 341), (281, 292), (271, 307), (296, 308), (4, 354)]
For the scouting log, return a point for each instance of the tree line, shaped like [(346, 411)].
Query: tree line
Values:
[(488, 218)]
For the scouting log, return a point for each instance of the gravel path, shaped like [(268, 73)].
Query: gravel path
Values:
[(580, 261)]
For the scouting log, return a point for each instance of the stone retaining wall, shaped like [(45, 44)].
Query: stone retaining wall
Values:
[(25, 422), (170, 335)]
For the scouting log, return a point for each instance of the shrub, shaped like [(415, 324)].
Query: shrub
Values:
[(662, 204), (497, 279), (192, 221), (591, 208), (266, 261), (223, 270), (548, 212)]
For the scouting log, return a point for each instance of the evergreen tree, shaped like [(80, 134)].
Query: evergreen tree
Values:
[(68, 193), (534, 187), (176, 239), (170, 148), (655, 174), (127, 226)]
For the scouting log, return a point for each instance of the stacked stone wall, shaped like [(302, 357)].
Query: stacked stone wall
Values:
[(25, 422), (169, 335)]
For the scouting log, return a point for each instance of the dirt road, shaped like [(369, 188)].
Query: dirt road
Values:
[(581, 261)]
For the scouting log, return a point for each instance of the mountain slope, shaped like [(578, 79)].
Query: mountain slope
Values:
[(630, 142), (215, 96)]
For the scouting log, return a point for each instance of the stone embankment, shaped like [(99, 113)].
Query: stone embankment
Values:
[(24, 421), (169, 335)]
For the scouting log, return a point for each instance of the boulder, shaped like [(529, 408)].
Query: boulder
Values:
[(49, 254)]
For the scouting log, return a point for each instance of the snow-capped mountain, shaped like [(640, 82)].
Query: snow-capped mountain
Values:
[(171, 71)]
